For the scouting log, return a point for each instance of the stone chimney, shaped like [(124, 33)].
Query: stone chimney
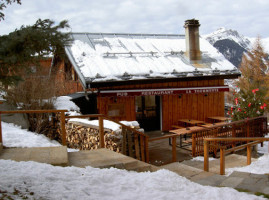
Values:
[(192, 39)]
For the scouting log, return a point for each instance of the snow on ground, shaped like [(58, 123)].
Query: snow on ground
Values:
[(43, 181), (14, 136), (261, 166)]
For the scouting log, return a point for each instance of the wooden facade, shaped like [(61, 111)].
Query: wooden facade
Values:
[(172, 107)]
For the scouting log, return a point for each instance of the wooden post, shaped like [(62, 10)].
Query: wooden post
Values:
[(194, 146), (142, 148), (124, 148), (137, 149), (233, 134), (248, 154), (206, 154), (101, 132), (222, 161), (174, 149), (147, 149), (63, 128)]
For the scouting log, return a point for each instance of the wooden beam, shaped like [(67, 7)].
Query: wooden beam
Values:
[(174, 149), (206, 156), (63, 128), (101, 132), (142, 147), (222, 161), (32, 111), (147, 149), (249, 154), (237, 139)]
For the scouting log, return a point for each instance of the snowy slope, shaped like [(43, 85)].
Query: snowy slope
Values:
[(42, 181), (223, 33)]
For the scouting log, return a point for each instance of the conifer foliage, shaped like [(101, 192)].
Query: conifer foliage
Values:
[(28, 45), (250, 97)]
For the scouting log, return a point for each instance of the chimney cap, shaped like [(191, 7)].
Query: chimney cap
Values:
[(191, 22)]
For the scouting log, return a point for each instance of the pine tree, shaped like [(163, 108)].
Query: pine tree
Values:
[(28, 45), (251, 96)]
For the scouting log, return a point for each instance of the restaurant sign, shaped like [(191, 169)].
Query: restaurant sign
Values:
[(164, 91)]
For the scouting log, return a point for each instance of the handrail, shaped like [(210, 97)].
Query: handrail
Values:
[(30, 111), (162, 137), (174, 144), (84, 116), (222, 150)]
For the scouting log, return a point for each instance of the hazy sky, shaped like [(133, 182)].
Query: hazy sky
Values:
[(248, 17)]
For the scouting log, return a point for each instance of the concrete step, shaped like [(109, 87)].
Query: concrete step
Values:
[(191, 173), (104, 158), (50, 155), (248, 181)]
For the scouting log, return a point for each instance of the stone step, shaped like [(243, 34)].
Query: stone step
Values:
[(50, 155), (191, 173), (104, 158)]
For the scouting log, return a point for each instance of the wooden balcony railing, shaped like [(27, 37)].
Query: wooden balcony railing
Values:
[(223, 150), (253, 127)]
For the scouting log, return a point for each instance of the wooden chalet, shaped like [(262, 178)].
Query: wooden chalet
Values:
[(155, 79)]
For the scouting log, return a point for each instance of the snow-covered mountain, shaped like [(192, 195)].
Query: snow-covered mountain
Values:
[(232, 44)]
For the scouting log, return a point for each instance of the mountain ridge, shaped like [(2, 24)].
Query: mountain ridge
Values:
[(232, 44)]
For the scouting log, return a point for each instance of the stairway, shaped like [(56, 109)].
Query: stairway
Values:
[(248, 182), (104, 158)]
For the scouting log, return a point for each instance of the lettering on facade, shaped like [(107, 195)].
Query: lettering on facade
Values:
[(153, 93), (122, 94), (166, 92)]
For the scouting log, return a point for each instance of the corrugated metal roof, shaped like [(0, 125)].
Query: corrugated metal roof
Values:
[(101, 57)]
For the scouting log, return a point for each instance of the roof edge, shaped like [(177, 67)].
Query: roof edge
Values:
[(160, 80)]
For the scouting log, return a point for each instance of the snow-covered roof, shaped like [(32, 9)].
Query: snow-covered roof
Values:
[(103, 57)]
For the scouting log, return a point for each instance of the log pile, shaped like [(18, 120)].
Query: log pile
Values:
[(86, 137)]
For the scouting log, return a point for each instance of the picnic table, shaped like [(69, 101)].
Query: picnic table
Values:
[(213, 124), (185, 131), (219, 119), (190, 122)]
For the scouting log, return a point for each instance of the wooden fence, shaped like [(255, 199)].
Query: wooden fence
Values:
[(254, 127), (62, 119)]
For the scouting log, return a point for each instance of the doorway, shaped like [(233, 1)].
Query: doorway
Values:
[(148, 112)]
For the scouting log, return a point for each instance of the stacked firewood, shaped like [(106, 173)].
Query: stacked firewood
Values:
[(86, 137)]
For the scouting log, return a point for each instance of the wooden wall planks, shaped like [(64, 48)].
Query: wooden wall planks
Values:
[(192, 106)]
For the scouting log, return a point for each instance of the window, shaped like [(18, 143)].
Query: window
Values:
[(116, 110)]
